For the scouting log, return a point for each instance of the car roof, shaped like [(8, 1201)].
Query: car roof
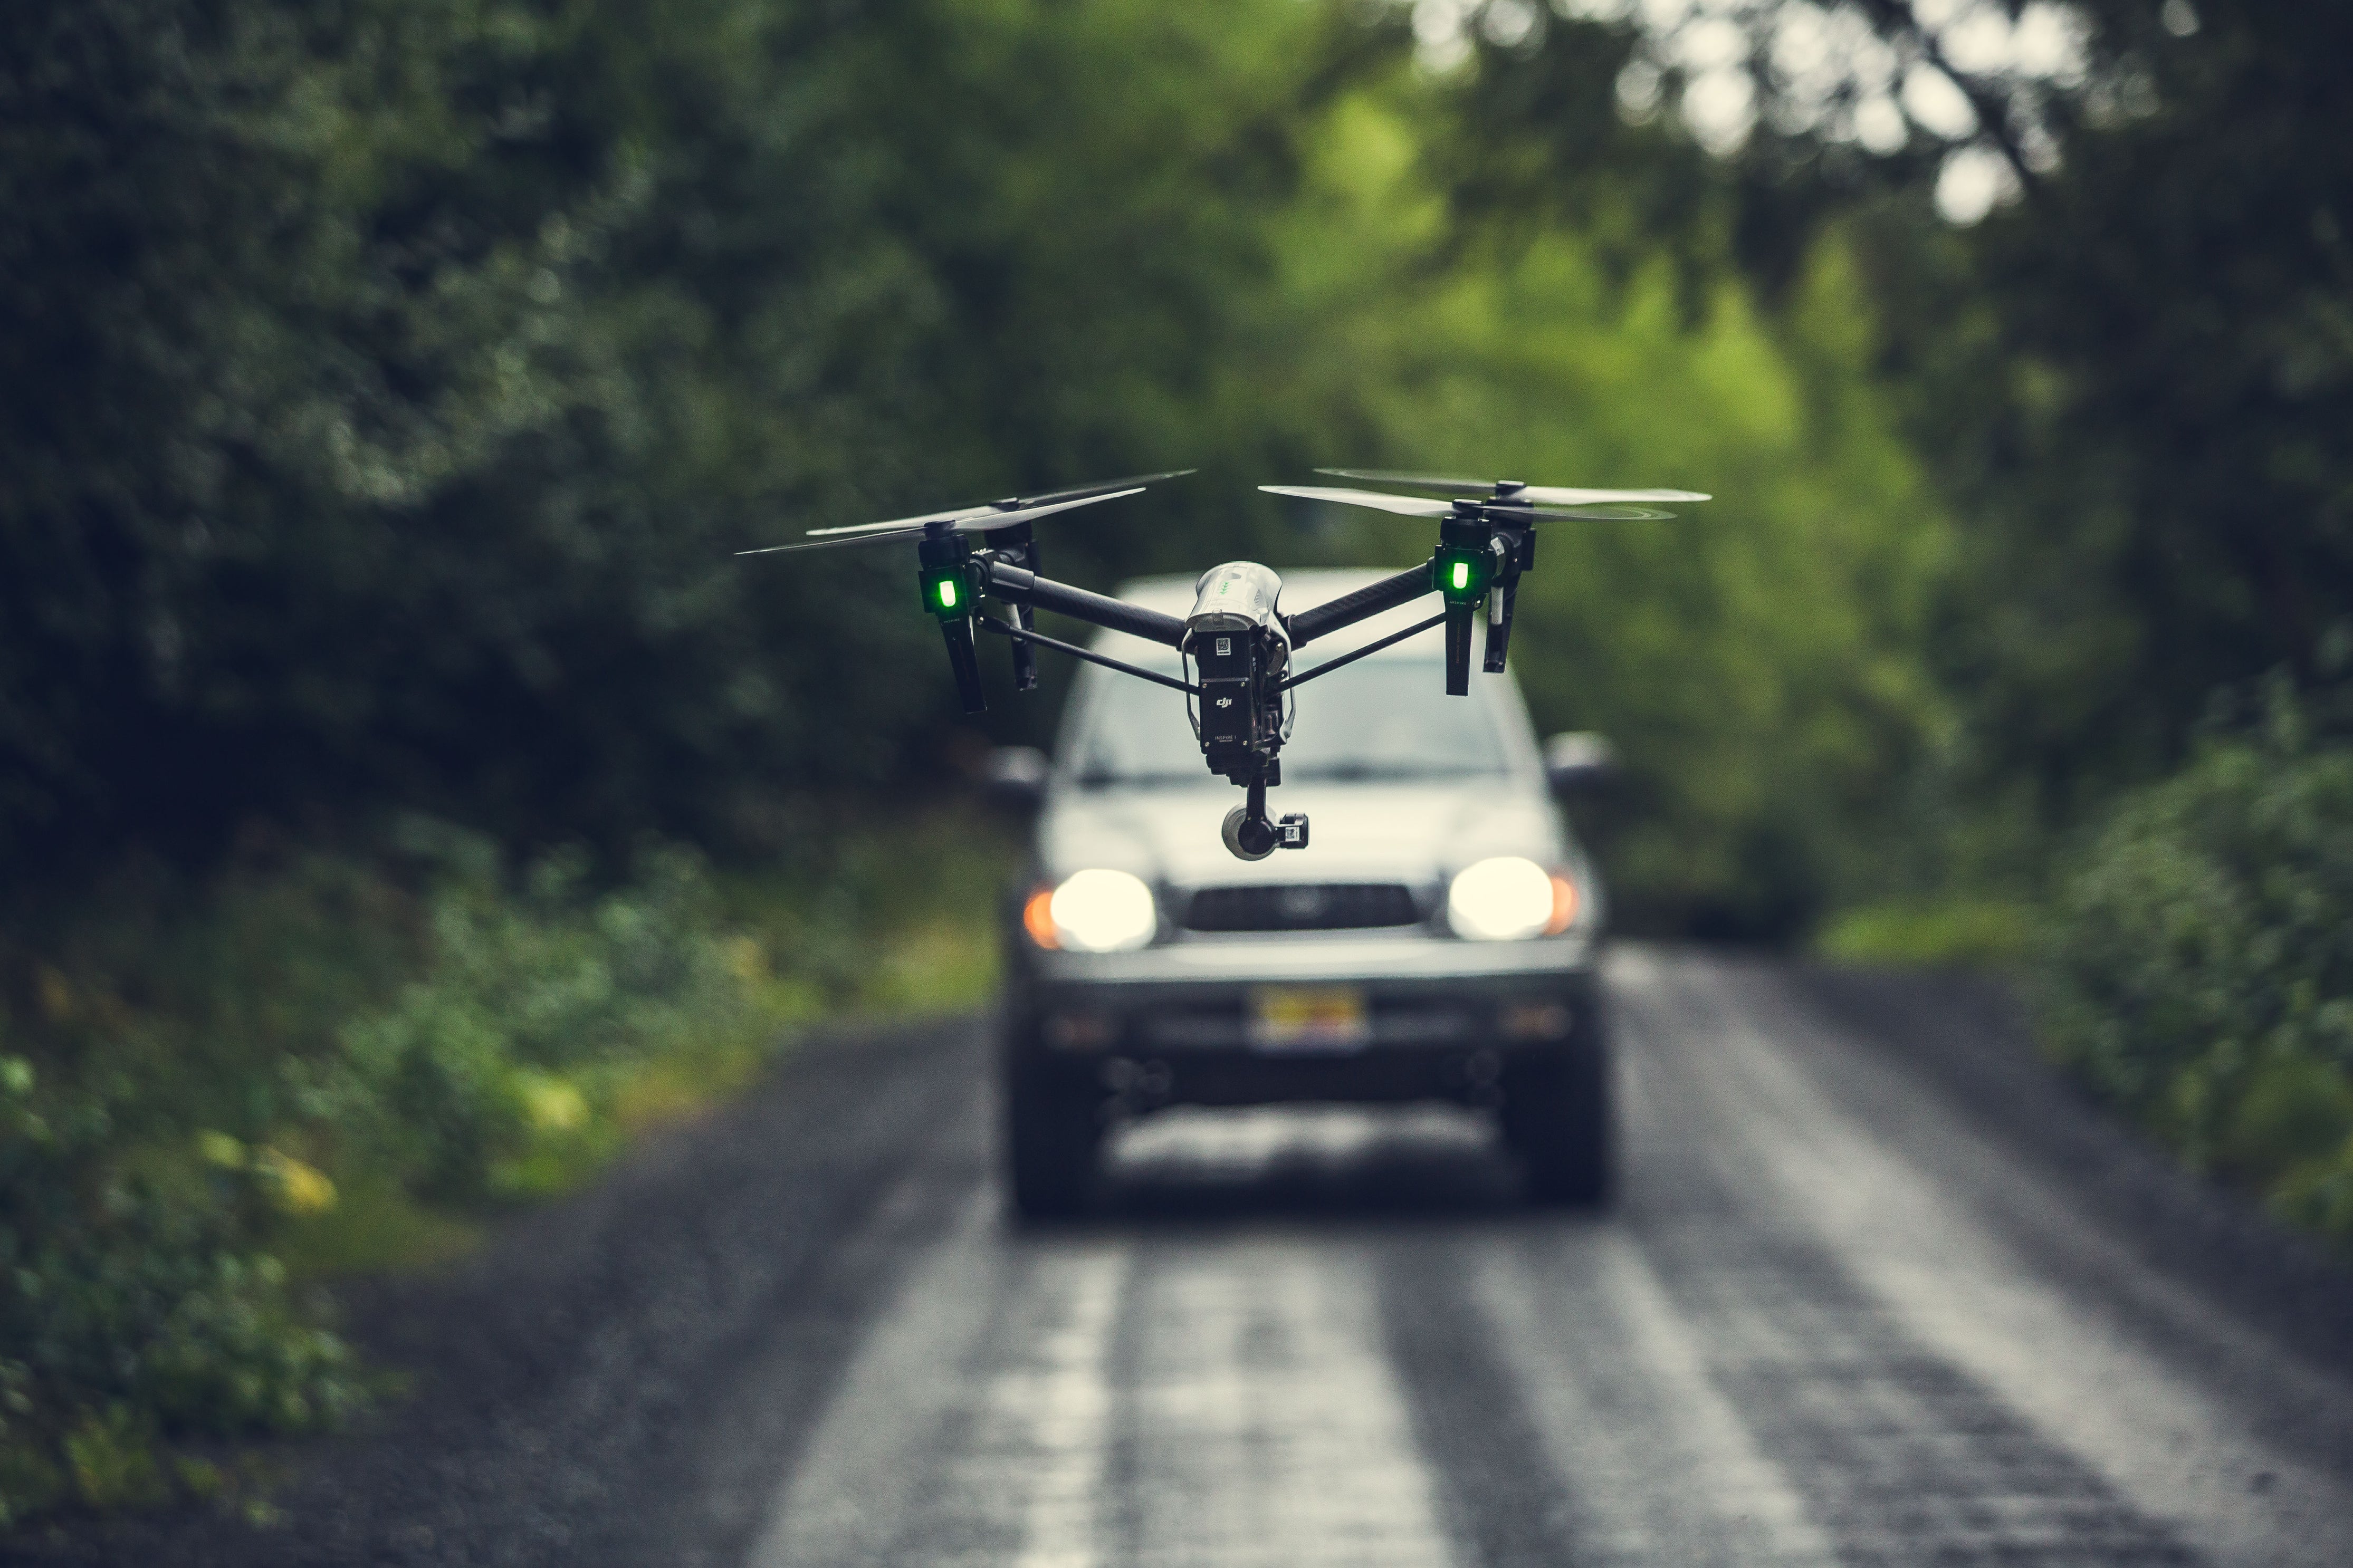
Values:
[(1302, 589)]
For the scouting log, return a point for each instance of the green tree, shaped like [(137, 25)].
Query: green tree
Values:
[(390, 383)]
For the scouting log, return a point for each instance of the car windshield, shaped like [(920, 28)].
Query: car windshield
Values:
[(1374, 719)]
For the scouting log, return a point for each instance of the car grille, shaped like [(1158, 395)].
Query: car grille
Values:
[(1305, 906)]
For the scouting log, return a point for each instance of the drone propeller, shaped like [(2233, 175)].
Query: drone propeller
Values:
[(1418, 506), (1512, 489), (970, 519), (1485, 543)]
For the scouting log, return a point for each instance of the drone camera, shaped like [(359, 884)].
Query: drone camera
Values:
[(1250, 834)]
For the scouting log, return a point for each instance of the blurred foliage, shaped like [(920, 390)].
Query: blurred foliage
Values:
[(382, 430), (1758, 658), (2201, 974), (2124, 389), (389, 383), (2128, 385), (1950, 933), (316, 1064), (2145, 415)]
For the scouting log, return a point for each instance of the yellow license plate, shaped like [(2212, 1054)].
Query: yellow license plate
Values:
[(1308, 1019)]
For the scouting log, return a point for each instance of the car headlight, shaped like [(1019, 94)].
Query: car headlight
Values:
[(1505, 898), (1099, 912)]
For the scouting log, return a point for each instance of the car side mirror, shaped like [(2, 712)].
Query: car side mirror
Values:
[(1580, 762), (1015, 777)]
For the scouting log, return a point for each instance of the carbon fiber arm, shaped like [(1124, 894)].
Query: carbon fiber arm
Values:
[(1023, 587), (1368, 601)]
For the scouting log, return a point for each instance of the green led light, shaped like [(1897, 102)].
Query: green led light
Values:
[(949, 590), (1461, 573)]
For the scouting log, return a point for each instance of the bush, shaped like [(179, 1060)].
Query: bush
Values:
[(132, 1299), (200, 1076), (2203, 975), (537, 1004)]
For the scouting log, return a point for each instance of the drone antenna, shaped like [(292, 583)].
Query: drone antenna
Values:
[(1017, 546)]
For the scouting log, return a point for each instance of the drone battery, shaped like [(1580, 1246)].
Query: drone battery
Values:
[(1227, 659)]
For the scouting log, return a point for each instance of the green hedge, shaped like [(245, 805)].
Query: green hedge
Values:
[(2201, 974)]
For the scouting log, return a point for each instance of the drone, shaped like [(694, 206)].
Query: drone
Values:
[(1237, 634)]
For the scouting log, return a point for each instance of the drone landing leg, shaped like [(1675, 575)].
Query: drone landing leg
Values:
[(1458, 650), (1025, 654), (966, 661), (1499, 628)]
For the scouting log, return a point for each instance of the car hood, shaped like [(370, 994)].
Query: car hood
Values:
[(1410, 833)]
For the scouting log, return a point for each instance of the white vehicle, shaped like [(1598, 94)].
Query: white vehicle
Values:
[(1435, 941)]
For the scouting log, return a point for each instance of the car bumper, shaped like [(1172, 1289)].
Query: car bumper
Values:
[(1444, 1019), (1320, 957)]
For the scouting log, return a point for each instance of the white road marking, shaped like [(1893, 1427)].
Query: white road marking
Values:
[(2175, 1451)]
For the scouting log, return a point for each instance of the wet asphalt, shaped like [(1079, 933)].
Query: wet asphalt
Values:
[(1879, 1290)]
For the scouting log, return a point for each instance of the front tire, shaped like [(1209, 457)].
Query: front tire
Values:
[(1559, 1116), (1054, 1140)]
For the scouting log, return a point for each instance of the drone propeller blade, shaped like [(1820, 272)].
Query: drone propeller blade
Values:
[(1540, 495), (1601, 513), (900, 524), (1000, 512), (963, 523), (1408, 505), (994, 519), (1415, 506), (838, 543), (1556, 495), (1419, 481), (1087, 493)]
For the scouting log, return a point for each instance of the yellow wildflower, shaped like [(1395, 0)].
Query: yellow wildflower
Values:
[(552, 1104), (301, 1189)]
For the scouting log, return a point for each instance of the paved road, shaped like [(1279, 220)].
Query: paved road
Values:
[(1879, 1291)]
